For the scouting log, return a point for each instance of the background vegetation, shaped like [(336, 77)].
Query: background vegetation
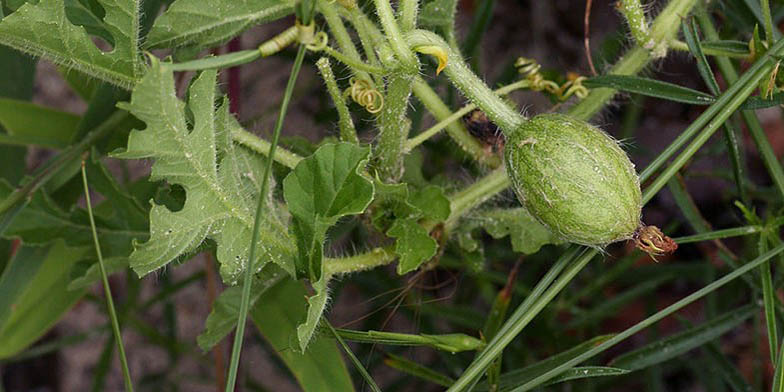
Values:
[(389, 253)]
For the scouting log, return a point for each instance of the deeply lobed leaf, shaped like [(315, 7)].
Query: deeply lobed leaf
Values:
[(43, 29), (222, 182)]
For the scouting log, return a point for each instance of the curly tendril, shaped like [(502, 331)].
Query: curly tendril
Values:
[(530, 69), (365, 95)]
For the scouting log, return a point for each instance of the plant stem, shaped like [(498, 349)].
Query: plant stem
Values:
[(469, 84), (107, 291), (664, 29), (455, 130), (361, 262), (393, 126), (249, 269), (408, 10), (431, 100), (347, 131), (261, 146), (476, 194), (361, 69), (395, 37), (222, 61), (342, 37), (432, 131), (635, 19)]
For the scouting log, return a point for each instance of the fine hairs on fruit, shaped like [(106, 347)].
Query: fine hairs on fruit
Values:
[(570, 175)]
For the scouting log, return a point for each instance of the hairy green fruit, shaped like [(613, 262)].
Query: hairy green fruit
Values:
[(575, 179)]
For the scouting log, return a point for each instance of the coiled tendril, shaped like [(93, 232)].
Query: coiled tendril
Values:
[(530, 69), (363, 93)]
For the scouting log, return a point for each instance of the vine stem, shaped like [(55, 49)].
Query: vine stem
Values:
[(468, 83), (432, 131), (261, 146), (249, 268), (395, 37)]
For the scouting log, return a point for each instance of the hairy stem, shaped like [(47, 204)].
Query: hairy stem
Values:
[(347, 131), (468, 83), (395, 37), (393, 128)]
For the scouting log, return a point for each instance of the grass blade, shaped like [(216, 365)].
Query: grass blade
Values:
[(691, 33), (361, 369), (675, 345), (520, 318), (651, 88), (248, 275), (452, 343), (778, 376), (107, 291), (587, 372), (414, 369), (521, 376), (652, 319)]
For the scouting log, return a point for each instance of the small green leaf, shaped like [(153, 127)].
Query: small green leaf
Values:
[(432, 201), (42, 29), (652, 88), (321, 189), (222, 183), (190, 23), (414, 245), (527, 235), (675, 345), (40, 125)]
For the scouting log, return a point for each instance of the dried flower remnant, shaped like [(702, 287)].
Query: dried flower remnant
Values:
[(652, 241)]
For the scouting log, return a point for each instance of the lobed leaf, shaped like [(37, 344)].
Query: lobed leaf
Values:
[(190, 23), (221, 182), (414, 245), (42, 29)]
